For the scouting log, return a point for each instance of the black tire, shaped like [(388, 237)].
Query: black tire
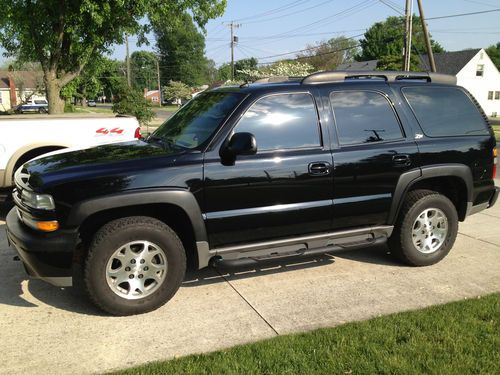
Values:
[(108, 240), (401, 241)]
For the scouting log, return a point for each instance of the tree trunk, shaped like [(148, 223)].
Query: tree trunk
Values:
[(53, 89)]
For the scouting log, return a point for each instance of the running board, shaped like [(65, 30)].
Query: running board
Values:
[(251, 254)]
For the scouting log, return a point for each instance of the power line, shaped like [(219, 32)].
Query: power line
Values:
[(274, 11), (390, 5), (290, 14), (464, 14), (306, 49)]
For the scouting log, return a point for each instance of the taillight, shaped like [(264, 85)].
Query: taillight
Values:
[(138, 134), (495, 159)]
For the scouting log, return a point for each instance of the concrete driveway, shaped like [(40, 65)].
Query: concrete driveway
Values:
[(47, 330)]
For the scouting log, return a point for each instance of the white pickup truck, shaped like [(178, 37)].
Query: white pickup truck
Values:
[(22, 139)]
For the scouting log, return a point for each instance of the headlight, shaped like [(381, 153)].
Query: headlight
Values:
[(38, 201)]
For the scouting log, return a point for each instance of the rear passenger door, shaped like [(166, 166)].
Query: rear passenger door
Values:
[(285, 189), (371, 150)]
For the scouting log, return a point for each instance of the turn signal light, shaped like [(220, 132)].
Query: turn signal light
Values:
[(495, 152), (47, 226)]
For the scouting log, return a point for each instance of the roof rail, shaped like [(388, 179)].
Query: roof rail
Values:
[(388, 76), (277, 79)]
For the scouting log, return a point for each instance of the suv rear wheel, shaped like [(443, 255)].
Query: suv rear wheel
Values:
[(134, 265), (426, 229)]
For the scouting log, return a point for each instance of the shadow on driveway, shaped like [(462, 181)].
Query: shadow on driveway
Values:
[(75, 300)]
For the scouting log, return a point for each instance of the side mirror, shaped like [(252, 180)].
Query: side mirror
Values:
[(239, 144)]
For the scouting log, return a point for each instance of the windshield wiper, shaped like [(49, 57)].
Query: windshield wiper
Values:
[(164, 141)]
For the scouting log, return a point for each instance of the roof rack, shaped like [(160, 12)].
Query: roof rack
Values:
[(278, 79), (388, 76)]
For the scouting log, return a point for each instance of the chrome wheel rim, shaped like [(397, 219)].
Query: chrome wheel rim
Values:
[(430, 230), (136, 270)]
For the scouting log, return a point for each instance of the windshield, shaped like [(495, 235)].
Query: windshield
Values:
[(197, 120)]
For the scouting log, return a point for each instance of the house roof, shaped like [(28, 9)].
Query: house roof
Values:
[(29, 79), (358, 65), (449, 62), (151, 92)]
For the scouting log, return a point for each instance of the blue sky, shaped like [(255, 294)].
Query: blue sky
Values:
[(302, 22), (275, 27)]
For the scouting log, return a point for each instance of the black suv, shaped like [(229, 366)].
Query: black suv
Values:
[(241, 175)]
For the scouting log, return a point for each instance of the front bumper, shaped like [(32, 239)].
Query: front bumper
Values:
[(47, 256)]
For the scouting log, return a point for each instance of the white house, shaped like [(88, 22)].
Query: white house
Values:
[(17, 87), (475, 71)]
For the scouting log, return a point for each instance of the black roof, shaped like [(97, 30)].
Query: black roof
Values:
[(449, 62)]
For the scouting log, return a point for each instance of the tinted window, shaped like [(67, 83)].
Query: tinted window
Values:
[(443, 111), (282, 121), (196, 121), (364, 116)]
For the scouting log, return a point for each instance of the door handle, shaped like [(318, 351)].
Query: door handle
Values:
[(319, 168), (401, 159)]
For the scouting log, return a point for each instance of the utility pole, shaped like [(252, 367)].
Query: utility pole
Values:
[(158, 74), (408, 34), (128, 61), (234, 40), (426, 37)]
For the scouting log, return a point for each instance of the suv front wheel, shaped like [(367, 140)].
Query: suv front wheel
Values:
[(134, 265), (426, 229)]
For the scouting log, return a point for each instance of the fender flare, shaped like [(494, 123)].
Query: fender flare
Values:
[(20, 152), (409, 178), (178, 197)]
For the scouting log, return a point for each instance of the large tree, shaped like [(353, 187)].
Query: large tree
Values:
[(328, 55), (64, 35), (385, 40), (182, 52), (144, 73)]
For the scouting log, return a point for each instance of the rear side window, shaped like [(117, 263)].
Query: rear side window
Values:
[(445, 111), (364, 117), (282, 121)]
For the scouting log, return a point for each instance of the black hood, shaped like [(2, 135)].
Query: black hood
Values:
[(105, 160)]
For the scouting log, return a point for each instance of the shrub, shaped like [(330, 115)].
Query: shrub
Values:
[(132, 102)]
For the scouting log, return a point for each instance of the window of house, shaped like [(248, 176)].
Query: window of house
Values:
[(497, 95), (481, 55), (445, 111), (364, 117), (493, 114), (490, 95), (479, 70), (283, 121)]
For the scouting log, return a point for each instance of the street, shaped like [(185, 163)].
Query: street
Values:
[(49, 330)]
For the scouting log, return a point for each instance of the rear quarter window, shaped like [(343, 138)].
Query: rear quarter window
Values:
[(445, 111)]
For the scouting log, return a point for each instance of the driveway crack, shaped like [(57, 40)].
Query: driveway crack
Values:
[(248, 303)]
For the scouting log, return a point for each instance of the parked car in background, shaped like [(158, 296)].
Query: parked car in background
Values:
[(91, 103), (22, 139), (33, 105)]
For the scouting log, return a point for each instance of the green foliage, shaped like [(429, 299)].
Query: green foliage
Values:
[(385, 40), (224, 71), (176, 90), (69, 108), (182, 51), (494, 54), (64, 35), (394, 62), (143, 67), (132, 102), (456, 338), (279, 69), (328, 55)]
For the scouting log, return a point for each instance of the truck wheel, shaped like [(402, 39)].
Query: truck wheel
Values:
[(426, 229), (134, 265)]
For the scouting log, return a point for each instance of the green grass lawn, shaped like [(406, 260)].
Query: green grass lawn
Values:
[(496, 128), (456, 338)]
